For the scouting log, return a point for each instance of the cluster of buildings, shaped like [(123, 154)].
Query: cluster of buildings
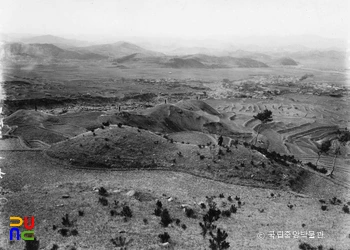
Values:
[(265, 87)]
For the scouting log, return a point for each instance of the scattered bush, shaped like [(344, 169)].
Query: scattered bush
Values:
[(226, 213), (74, 232), (177, 221), (324, 207), (212, 215), (346, 209), (344, 136), (119, 241), (103, 201), (314, 167), (306, 246), (233, 209), (221, 195), (126, 212), (183, 226), (190, 213), (120, 125), (157, 211), (164, 237), (335, 201), (66, 222), (102, 191), (274, 156), (81, 213), (159, 204), (113, 212), (165, 218), (202, 157), (64, 232)]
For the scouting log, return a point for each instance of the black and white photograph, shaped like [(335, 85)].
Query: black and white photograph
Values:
[(174, 124)]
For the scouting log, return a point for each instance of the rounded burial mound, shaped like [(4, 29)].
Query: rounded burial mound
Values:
[(27, 117), (177, 119), (114, 147), (197, 105), (287, 61)]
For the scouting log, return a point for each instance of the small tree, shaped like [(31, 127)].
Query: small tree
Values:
[(212, 215), (218, 241), (164, 237), (264, 117), (165, 218), (324, 148)]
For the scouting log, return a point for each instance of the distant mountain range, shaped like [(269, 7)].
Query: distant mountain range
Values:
[(118, 49), (226, 61), (124, 54), (55, 40), (44, 52)]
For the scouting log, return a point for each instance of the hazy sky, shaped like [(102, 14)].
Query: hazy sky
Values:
[(176, 18)]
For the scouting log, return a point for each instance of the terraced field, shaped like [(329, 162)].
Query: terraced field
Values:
[(301, 124)]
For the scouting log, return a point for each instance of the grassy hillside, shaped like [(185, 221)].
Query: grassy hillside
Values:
[(130, 148)]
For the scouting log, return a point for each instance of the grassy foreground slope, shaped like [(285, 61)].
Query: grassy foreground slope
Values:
[(130, 148)]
